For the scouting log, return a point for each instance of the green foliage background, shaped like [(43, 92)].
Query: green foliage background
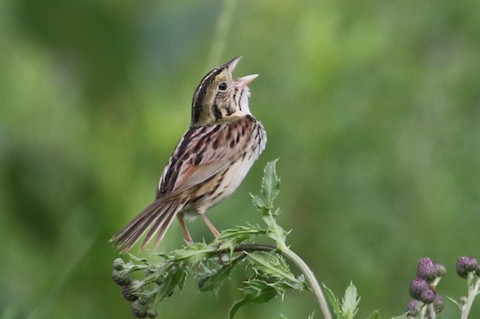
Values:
[(373, 108)]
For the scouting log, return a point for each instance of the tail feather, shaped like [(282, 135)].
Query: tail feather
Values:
[(160, 224), (157, 217)]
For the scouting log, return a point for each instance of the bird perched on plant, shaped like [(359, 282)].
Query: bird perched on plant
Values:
[(210, 160)]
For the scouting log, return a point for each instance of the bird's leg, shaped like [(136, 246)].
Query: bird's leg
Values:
[(187, 235), (209, 224), (215, 233)]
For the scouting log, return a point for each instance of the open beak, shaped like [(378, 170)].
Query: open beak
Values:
[(230, 65), (245, 80)]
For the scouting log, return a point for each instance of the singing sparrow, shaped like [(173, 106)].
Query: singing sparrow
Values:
[(209, 162)]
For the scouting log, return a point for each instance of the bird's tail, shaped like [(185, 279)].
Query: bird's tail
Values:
[(156, 218)]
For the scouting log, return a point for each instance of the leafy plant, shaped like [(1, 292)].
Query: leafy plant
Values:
[(263, 253)]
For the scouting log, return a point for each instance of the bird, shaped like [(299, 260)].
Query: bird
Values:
[(209, 162)]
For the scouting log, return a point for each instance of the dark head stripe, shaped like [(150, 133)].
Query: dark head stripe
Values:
[(200, 93)]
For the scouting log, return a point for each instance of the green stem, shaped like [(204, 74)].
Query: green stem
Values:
[(431, 311), (473, 290), (221, 31), (309, 276)]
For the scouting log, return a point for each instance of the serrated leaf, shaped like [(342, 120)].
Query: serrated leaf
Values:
[(192, 254), (271, 265), (215, 280), (270, 184), (350, 302), (256, 292), (275, 231), (241, 232), (258, 202), (334, 302), (260, 293), (175, 278)]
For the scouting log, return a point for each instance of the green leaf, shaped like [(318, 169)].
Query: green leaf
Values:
[(271, 265), (230, 238), (334, 302), (275, 231), (175, 278), (259, 292), (256, 291), (215, 279), (350, 302), (192, 254), (259, 202), (270, 184)]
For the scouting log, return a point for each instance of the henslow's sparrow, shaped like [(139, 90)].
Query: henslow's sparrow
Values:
[(210, 161)]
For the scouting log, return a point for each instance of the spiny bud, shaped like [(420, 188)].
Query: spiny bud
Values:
[(417, 287), (465, 265), (438, 304), (428, 296), (426, 269), (139, 309), (128, 293), (441, 270), (412, 308), (118, 264), (121, 277)]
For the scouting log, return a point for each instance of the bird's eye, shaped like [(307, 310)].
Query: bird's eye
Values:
[(222, 86)]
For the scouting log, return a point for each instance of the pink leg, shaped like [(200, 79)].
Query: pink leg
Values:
[(207, 221), (188, 238)]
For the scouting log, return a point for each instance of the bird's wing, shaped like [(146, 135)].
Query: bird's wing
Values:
[(202, 153)]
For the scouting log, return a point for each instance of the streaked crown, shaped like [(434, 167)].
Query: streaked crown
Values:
[(218, 97)]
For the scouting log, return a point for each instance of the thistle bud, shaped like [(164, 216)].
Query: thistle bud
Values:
[(417, 287), (121, 277), (128, 293), (465, 265), (139, 309), (438, 304), (412, 308), (428, 296), (441, 270), (118, 264), (426, 269)]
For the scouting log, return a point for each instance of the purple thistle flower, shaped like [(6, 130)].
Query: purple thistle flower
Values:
[(438, 303), (417, 287), (426, 269), (412, 308), (428, 296), (441, 270), (465, 265)]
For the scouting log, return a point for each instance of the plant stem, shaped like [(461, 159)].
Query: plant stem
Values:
[(473, 290), (431, 311), (221, 31), (310, 277)]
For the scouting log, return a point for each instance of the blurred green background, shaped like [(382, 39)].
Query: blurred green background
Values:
[(373, 108)]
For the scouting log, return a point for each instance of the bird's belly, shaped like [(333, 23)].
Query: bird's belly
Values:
[(232, 179), (228, 181)]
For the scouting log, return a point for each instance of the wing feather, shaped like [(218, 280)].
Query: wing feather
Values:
[(202, 153)]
